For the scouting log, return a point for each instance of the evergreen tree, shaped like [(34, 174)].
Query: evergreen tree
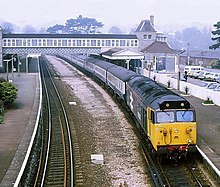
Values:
[(216, 33)]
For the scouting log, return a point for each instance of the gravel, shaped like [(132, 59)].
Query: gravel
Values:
[(99, 127)]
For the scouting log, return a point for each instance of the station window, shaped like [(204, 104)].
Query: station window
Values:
[(44, 42), (88, 42), (98, 43), (122, 42), (149, 37), (19, 42), (136, 43), (83, 42), (116, 42), (64, 43), (49, 42), (54, 42), (9, 42), (108, 43), (28, 42), (103, 42), (24, 43), (34, 42), (74, 42), (113, 43), (79, 43), (93, 42), (69, 43), (145, 36), (59, 42), (39, 42), (13, 42), (128, 43), (4, 43)]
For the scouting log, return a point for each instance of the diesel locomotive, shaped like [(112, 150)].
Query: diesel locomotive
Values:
[(168, 120)]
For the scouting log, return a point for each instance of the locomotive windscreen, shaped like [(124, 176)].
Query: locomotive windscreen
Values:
[(174, 105)]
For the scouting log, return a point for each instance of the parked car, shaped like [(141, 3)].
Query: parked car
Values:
[(212, 76), (202, 75), (218, 80), (213, 86)]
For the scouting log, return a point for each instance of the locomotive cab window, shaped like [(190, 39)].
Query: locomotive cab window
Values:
[(165, 117), (152, 118), (185, 115)]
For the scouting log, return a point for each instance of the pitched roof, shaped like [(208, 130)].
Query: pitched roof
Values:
[(119, 53), (108, 36), (145, 26), (158, 47)]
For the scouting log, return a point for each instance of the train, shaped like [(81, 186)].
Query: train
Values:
[(167, 119)]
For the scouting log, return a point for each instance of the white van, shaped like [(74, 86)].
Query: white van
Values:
[(191, 70)]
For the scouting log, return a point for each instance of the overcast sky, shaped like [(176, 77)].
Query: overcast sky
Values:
[(122, 13)]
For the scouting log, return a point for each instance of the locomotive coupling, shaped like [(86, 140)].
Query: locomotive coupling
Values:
[(165, 132)]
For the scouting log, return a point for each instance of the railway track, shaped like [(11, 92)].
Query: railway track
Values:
[(56, 160)]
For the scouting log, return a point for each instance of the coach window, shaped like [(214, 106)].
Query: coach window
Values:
[(132, 43)]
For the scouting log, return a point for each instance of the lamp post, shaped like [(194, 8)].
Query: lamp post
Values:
[(12, 59), (178, 71)]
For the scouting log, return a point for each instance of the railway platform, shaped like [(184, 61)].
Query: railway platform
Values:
[(17, 128)]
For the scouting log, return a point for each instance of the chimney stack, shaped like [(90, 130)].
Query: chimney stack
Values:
[(152, 20)]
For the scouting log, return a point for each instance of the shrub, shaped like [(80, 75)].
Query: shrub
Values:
[(8, 92)]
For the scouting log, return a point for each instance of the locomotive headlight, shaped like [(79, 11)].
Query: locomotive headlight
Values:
[(182, 104), (176, 130), (188, 130)]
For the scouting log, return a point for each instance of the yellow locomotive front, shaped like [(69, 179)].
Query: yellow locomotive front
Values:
[(172, 128)]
